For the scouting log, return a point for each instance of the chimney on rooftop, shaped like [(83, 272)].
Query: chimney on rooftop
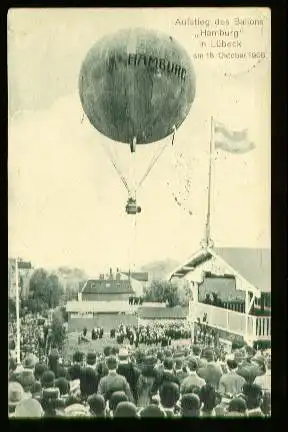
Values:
[(111, 274)]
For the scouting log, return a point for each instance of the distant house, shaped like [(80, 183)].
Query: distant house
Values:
[(107, 290)]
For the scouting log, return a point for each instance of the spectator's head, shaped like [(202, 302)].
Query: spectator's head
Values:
[(196, 349), (30, 361), (190, 405), (114, 350), (62, 372), (116, 398), (91, 358), (169, 394), (192, 364), (26, 379), (36, 390), (149, 363), (168, 353), (107, 351), (253, 394), (97, 405), (48, 379), (126, 409), (39, 369), (88, 382), (239, 357), (75, 371), (112, 363), (160, 356), (123, 355), (63, 385), (168, 363), (78, 357), (152, 411), (15, 394), (209, 398), (178, 364), (237, 407), (29, 408), (76, 410), (260, 362), (232, 364), (208, 355)]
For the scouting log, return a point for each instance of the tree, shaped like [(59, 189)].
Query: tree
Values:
[(45, 291), (162, 291)]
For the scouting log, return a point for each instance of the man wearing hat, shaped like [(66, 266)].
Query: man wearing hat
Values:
[(29, 408), (212, 372), (167, 375), (247, 368), (128, 370), (30, 361), (146, 380), (27, 380), (15, 396), (76, 410), (190, 405), (113, 381), (91, 360), (237, 408), (254, 398)]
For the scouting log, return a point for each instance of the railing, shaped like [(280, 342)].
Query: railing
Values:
[(232, 321)]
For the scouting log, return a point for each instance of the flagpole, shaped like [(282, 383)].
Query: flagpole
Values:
[(17, 314), (207, 238)]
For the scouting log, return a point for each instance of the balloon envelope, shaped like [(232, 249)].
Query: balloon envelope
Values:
[(138, 84)]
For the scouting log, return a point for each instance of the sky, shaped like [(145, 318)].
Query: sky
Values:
[(66, 202)]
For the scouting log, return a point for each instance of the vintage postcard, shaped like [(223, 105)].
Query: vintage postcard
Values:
[(139, 212)]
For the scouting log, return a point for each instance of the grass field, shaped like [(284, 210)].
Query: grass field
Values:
[(71, 344)]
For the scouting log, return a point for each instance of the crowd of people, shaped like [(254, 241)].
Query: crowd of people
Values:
[(33, 336), (151, 381), (135, 300), (151, 334)]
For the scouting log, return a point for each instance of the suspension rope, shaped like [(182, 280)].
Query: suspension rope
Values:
[(112, 159), (155, 159)]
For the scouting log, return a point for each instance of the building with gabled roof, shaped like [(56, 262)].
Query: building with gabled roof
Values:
[(107, 290), (244, 273)]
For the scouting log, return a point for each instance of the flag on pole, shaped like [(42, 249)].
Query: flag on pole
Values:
[(231, 141)]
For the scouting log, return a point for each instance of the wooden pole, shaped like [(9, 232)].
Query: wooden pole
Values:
[(207, 237)]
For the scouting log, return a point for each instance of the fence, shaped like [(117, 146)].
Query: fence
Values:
[(235, 322)]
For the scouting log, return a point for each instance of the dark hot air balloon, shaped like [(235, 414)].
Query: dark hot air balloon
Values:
[(137, 86)]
